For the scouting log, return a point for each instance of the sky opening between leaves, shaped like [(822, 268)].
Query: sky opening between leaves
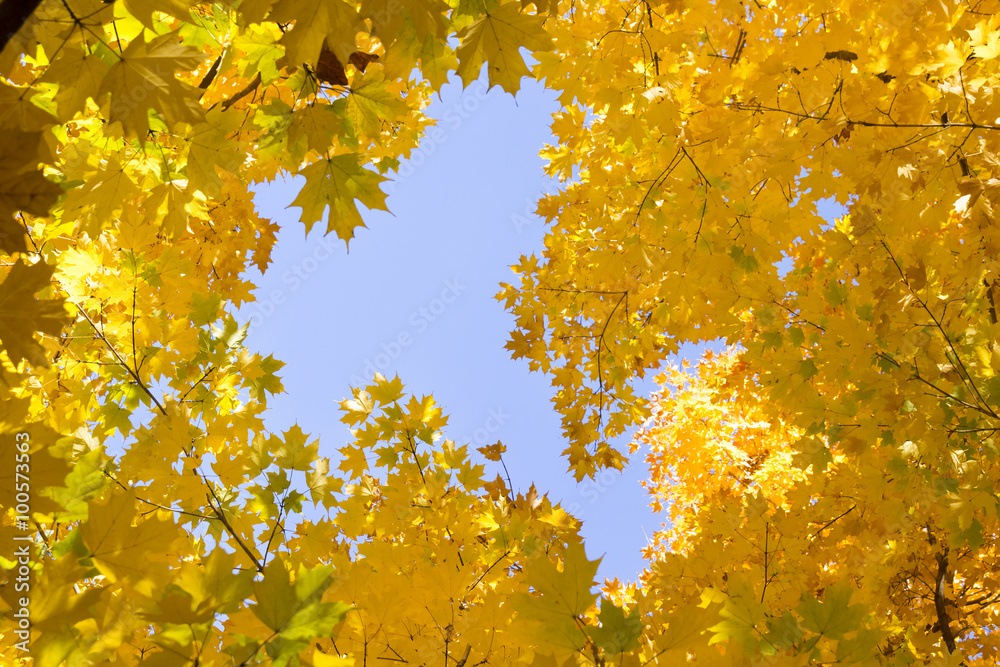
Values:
[(413, 296)]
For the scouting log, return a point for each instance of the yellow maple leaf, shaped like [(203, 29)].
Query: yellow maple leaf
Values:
[(121, 550), (21, 314), (22, 186), (371, 105), (331, 22), (144, 78), (337, 182), (492, 452), (496, 39)]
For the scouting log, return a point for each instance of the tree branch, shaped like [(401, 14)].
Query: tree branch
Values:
[(941, 602), (249, 88), (217, 510), (118, 358), (760, 108), (832, 521), (967, 378), (156, 505)]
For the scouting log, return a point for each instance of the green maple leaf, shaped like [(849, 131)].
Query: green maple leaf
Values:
[(205, 308), (371, 104), (337, 182), (388, 457), (740, 615), (85, 480), (618, 633), (834, 616), (276, 596), (313, 128), (437, 59), (261, 53), (296, 611), (496, 39), (560, 598), (863, 645)]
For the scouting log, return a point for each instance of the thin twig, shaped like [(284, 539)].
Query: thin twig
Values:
[(249, 88), (964, 372), (192, 388), (225, 522), (832, 521), (118, 357), (863, 123), (156, 505)]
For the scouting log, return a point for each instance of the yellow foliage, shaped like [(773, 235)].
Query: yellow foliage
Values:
[(154, 519), (816, 186), (831, 478)]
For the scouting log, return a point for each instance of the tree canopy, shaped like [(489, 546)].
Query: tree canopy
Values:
[(842, 456), (831, 478)]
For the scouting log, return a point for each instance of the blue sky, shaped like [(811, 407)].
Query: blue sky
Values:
[(414, 297)]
